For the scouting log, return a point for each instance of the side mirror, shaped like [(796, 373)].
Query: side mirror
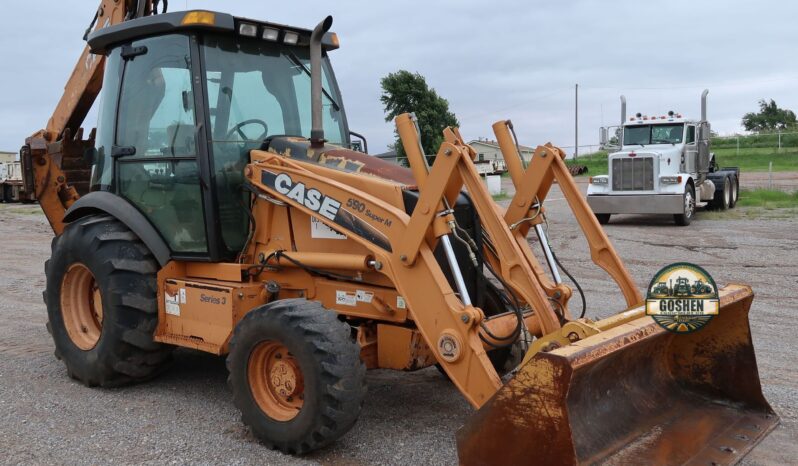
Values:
[(363, 144), (603, 139)]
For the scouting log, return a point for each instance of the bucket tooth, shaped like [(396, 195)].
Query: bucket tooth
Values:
[(633, 394)]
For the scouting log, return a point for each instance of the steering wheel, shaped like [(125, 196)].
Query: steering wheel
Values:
[(238, 129)]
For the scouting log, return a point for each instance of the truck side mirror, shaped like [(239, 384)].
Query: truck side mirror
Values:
[(603, 139)]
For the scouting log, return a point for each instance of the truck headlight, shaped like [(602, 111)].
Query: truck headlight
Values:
[(670, 179), (599, 179)]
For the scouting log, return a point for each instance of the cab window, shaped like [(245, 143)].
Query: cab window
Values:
[(690, 138), (155, 144)]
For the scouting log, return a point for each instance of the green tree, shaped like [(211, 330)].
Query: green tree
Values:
[(769, 118), (404, 92)]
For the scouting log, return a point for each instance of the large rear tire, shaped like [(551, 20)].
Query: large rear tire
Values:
[(101, 303), (686, 217), (296, 375)]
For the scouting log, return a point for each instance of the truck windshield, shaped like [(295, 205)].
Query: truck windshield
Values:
[(653, 134)]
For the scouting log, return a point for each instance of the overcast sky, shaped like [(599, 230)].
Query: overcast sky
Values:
[(491, 60)]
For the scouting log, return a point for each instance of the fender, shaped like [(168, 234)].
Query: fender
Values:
[(122, 210)]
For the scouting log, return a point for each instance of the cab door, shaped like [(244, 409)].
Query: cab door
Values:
[(690, 149), (155, 148)]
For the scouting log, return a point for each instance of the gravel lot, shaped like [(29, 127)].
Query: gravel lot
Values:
[(186, 415)]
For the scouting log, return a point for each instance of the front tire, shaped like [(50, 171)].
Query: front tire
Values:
[(296, 375), (686, 217), (101, 303)]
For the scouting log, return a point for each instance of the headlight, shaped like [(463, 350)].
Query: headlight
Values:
[(670, 179), (599, 179), (249, 30)]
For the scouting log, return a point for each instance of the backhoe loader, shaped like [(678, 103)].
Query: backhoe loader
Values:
[(218, 206)]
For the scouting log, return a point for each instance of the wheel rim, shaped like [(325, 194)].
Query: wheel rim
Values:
[(734, 192), (688, 204), (727, 193), (81, 307), (276, 381)]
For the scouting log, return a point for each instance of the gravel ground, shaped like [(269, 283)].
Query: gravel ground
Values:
[(186, 415)]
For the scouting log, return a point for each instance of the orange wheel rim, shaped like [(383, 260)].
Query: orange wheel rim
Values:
[(81, 307), (275, 380)]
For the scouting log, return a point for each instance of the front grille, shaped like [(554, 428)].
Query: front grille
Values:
[(633, 174)]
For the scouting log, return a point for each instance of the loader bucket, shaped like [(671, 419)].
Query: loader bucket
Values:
[(633, 394)]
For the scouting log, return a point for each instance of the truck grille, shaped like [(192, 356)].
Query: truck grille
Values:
[(633, 174)]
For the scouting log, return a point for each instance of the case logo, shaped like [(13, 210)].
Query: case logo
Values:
[(311, 198)]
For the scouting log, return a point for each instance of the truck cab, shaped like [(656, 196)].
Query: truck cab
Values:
[(663, 165)]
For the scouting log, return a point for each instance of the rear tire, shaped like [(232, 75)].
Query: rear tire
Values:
[(735, 191), (101, 303), (686, 217), (603, 219), (722, 198), (296, 375)]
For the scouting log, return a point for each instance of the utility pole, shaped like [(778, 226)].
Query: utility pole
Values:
[(576, 121)]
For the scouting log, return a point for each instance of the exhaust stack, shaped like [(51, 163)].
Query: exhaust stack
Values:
[(317, 128), (704, 105), (623, 109)]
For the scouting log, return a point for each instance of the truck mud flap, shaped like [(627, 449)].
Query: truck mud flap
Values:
[(633, 394)]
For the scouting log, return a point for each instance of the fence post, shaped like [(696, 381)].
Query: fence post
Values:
[(738, 145), (779, 141)]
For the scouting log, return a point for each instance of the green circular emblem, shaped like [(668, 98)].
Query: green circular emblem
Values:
[(682, 298)]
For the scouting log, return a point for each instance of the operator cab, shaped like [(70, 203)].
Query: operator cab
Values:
[(186, 96)]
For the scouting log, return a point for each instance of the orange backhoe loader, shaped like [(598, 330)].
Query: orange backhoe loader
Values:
[(218, 206)]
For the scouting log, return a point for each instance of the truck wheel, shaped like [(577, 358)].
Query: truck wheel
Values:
[(603, 218), (735, 191), (101, 303), (686, 217), (296, 375), (722, 199)]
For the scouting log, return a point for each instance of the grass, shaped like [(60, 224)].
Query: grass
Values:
[(767, 198), (596, 163), (755, 159), (750, 159), (501, 196)]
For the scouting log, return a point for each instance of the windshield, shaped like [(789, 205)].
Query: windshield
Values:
[(653, 134), (258, 89)]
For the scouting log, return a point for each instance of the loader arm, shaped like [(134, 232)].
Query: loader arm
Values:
[(534, 183), (54, 170)]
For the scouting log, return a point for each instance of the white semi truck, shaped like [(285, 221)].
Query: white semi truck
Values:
[(663, 166), (10, 181)]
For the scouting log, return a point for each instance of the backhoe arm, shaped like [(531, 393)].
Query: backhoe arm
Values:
[(54, 170)]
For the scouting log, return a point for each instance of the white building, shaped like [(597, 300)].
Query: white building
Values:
[(6, 157), (489, 150)]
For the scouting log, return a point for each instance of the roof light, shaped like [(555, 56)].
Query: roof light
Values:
[(199, 17), (291, 38), (334, 40), (270, 34), (247, 29)]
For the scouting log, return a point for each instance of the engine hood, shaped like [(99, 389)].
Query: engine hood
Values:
[(339, 158)]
